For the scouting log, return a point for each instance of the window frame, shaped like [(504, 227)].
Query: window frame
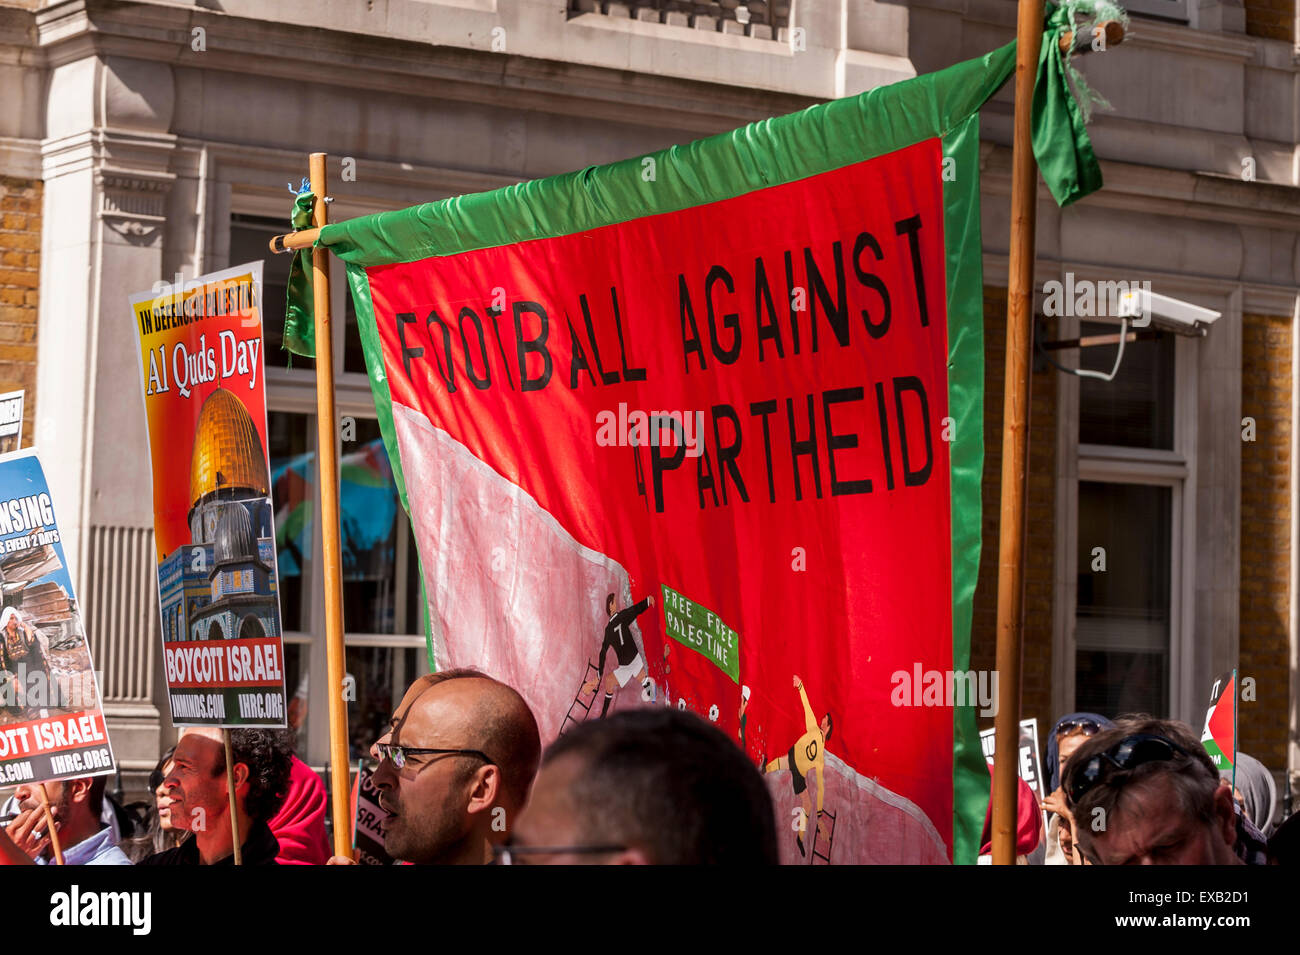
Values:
[(1115, 464)]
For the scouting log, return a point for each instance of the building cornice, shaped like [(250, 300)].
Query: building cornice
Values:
[(289, 53), (1172, 192)]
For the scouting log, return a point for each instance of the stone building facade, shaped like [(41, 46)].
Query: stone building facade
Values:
[(145, 139)]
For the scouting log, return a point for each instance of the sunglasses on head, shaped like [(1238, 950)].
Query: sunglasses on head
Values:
[(1126, 755), (1082, 725)]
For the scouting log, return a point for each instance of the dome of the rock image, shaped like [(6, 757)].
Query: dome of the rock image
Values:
[(228, 451)]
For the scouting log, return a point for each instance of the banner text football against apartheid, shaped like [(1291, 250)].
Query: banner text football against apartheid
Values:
[(810, 533), (201, 374), (775, 306)]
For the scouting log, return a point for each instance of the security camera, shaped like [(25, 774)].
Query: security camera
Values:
[(1146, 308)]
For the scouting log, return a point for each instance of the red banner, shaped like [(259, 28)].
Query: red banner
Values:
[(738, 410)]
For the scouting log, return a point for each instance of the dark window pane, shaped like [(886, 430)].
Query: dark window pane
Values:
[(371, 516), (297, 666), (1136, 410), (382, 675), (293, 475), (354, 357), (249, 236), (1122, 622), (414, 594)]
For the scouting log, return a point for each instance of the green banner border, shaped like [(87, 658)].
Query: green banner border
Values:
[(965, 274)]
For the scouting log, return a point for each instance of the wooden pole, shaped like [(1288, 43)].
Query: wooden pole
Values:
[(327, 457), (49, 826), (292, 241), (238, 843), (1015, 436)]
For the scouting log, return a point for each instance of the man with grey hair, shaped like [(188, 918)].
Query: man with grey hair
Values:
[(1145, 792)]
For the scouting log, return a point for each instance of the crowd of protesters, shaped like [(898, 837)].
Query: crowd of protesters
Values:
[(463, 779)]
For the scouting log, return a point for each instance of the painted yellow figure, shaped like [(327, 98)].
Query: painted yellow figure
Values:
[(807, 756)]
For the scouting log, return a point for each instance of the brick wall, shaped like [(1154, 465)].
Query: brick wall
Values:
[(1271, 19), (20, 268), (1036, 668), (1265, 536)]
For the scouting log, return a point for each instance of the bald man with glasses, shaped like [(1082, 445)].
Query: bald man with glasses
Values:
[(455, 768)]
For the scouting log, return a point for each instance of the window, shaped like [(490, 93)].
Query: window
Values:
[(381, 580), (1128, 525), (354, 357), (1122, 622), (383, 617), (292, 441), (1136, 410)]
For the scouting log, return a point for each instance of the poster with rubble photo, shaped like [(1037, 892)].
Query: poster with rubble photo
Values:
[(51, 720), (11, 421), (201, 376)]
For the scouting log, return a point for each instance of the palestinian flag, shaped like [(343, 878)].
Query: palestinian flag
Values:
[(740, 378), (1220, 734)]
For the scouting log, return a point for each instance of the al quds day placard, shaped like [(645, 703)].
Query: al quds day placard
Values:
[(201, 369)]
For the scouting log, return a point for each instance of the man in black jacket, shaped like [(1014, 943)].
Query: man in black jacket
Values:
[(201, 805), (631, 662)]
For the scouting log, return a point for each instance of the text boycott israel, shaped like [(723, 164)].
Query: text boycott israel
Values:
[(703, 429), (51, 717), (201, 373)]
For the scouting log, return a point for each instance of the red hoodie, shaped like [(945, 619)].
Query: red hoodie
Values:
[(299, 826)]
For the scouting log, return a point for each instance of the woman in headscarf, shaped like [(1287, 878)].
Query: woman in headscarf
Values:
[(1254, 791), (1067, 735)]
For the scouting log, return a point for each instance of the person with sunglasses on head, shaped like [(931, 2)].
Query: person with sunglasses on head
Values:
[(1145, 792), (1067, 735), (455, 768)]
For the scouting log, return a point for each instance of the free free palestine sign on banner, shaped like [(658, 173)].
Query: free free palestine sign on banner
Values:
[(702, 430)]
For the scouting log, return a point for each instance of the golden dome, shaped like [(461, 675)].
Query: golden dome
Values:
[(227, 449)]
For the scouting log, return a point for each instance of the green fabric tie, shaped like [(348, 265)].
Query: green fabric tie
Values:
[(299, 322), (1068, 163)]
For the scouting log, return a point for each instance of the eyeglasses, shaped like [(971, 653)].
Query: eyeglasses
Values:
[(397, 755), (1128, 754), (506, 855)]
